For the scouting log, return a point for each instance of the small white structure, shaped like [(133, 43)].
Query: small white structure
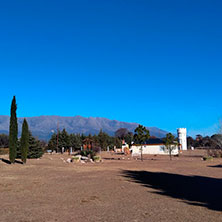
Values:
[(182, 138), (124, 145), (153, 147)]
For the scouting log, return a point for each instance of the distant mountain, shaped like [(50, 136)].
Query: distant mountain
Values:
[(44, 126)]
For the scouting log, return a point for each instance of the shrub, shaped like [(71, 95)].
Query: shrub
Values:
[(97, 158), (88, 153), (75, 158), (85, 152), (207, 158), (217, 153)]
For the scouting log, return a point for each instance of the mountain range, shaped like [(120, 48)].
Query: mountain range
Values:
[(44, 126)]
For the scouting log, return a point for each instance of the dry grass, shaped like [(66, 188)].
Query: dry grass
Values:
[(115, 190), (4, 151)]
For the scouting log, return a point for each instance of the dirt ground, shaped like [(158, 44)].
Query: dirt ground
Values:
[(157, 189)]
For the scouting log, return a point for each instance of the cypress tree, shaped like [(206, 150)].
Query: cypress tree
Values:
[(24, 143), (13, 132)]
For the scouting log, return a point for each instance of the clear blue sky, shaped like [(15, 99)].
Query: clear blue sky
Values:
[(158, 63)]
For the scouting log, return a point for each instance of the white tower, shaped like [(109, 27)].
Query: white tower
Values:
[(182, 137)]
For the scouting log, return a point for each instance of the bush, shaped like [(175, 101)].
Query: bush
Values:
[(207, 158), (76, 158), (97, 158), (85, 152), (88, 153), (217, 153)]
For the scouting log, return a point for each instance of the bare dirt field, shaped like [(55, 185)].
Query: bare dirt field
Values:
[(157, 189)]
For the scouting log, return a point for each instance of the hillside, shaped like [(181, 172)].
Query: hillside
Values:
[(44, 126)]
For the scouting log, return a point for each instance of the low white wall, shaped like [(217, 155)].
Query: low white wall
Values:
[(152, 149)]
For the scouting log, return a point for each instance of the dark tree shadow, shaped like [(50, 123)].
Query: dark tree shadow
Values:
[(9, 162), (5, 161), (217, 166), (17, 161), (194, 190)]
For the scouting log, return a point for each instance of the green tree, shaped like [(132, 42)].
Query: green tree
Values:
[(170, 143), (35, 149), (117, 142), (129, 138), (95, 139), (64, 141), (103, 140), (24, 141), (75, 141), (13, 131), (141, 135), (83, 136), (52, 144)]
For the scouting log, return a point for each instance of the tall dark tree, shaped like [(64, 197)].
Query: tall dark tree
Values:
[(103, 140), (52, 144), (13, 131), (141, 135), (64, 141), (24, 142)]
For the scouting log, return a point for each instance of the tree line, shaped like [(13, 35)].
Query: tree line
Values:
[(63, 141), (213, 142), (29, 147)]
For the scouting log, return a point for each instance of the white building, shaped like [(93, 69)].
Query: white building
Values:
[(182, 138), (153, 146), (124, 145)]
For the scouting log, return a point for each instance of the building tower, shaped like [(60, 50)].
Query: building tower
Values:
[(182, 137)]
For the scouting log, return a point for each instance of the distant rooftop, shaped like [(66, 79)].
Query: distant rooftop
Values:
[(153, 141)]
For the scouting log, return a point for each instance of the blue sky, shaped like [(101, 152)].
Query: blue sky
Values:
[(155, 62)]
